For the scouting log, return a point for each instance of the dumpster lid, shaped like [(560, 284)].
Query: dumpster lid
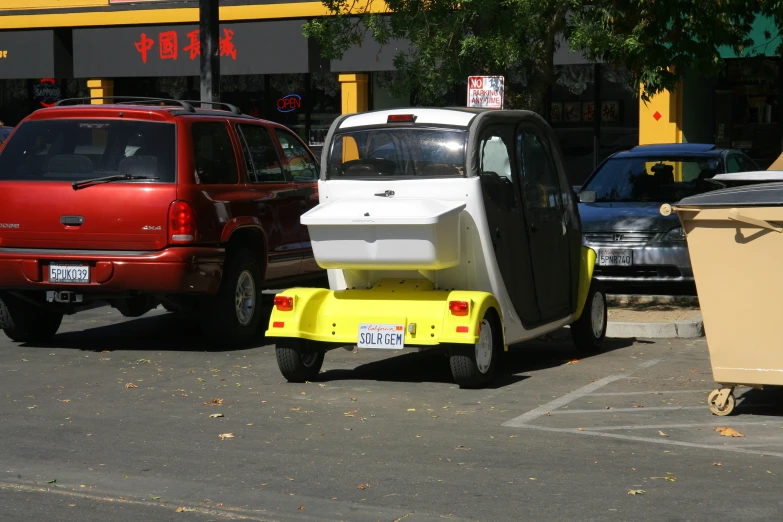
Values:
[(760, 195)]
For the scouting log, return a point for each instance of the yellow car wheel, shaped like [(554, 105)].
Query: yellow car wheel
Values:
[(474, 366), (299, 360)]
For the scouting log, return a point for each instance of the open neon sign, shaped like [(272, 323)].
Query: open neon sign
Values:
[(289, 103)]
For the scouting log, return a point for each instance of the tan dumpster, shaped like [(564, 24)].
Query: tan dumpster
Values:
[(735, 239)]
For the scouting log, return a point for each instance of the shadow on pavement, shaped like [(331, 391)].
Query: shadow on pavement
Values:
[(162, 332), (433, 366), (418, 367), (767, 402)]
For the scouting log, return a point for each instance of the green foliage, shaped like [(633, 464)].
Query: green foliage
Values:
[(657, 40)]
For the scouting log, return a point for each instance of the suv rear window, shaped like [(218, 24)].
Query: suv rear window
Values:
[(398, 152), (76, 150)]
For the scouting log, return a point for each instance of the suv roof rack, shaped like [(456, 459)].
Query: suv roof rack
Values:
[(228, 106), (128, 100), (141, 100)]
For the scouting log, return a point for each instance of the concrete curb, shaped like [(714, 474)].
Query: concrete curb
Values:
[(689, 329)]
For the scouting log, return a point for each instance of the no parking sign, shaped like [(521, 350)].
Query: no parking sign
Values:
[(485, 91)]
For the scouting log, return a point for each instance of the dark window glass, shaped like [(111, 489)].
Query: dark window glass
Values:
[(653, 178), (733, 164), (77, 150), (541, 189), (301, 163), (397, 152), (746, 164), (263, 162), (214, 154)]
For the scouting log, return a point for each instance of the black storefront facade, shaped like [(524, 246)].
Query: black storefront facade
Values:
[(268, 69)]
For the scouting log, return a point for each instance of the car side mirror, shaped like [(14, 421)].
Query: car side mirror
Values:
[(587, 196)]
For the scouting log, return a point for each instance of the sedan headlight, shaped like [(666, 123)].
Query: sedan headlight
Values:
[(675, 234)]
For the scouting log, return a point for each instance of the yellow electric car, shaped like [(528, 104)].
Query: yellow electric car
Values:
[(441, 228)]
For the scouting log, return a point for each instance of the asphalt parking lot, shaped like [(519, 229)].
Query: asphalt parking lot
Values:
[(117, 418)]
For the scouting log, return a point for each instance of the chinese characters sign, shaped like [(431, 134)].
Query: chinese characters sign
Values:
[(168, 47), (584, 112), (268, 47)]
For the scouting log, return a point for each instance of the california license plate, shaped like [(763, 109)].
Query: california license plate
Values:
[(615, 257), (61, 273), (383, 336)]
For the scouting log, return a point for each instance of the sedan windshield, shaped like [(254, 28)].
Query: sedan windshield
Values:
[(398, 153), (653, 178)]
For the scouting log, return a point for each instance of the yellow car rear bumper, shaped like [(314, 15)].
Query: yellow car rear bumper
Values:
[(334, 316)]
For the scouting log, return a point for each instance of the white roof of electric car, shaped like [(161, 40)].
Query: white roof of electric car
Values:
[(454, 117)]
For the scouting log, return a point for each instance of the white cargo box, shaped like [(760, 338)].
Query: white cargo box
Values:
[(386, 234)]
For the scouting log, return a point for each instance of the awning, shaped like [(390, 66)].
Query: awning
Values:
[(276, 47), (33, 54)]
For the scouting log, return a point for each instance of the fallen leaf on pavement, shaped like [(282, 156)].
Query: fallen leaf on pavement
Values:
[(662, 434), (636, 492), (214, 402), (461, 447), (215, 415), (548, 414), (728, 432), (717, 464), (224, 436), (581, 429), (364, 486), (411, 409), (667, 479), (154, 498), (513, 436), (638, 406), (131, 385), (301, 508), (353, 398)]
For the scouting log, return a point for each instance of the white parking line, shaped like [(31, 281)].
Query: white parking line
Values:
[(674, 426), (660, 440), (635, 410), (666, 392), (524, 419)]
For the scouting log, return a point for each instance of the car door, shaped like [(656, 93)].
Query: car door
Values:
[(550, 249), (506, 221), (303, 169), (219, 192), (274, 198)]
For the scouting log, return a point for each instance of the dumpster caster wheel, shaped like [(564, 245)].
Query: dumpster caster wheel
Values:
[(712, 402)]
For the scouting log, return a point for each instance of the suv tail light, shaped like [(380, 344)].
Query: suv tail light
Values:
[(182, 223), (458, 307), (283, 303)]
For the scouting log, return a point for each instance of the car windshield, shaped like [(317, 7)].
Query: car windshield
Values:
[(398, 153), (658, 179), (77, 150)]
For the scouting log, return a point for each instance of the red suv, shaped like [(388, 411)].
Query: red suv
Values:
[(148, 202)]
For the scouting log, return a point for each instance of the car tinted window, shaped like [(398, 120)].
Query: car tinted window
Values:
[(300, 162), (733, 164), (263, 162), (541, 189), (746, 164), (397, 152), (213, 153), (654, 178), (76, 150)]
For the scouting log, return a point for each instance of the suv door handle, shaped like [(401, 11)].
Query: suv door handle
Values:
[(72, 221)]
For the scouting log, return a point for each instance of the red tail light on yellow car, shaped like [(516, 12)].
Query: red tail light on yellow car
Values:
[(460, 308), (283, 303), (182, 223)]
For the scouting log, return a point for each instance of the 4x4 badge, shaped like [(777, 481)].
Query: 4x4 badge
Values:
[(150, 227)]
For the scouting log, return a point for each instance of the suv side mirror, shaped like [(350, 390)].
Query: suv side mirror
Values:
[(587, 196)]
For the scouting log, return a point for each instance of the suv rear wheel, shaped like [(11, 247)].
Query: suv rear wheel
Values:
[(234, 312), (24, 322)]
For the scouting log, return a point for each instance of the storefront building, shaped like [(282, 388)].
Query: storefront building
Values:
[(269, 69), (151, 48)]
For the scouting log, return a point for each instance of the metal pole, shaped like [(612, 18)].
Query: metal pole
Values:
[(596, 114), (209, 25)]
